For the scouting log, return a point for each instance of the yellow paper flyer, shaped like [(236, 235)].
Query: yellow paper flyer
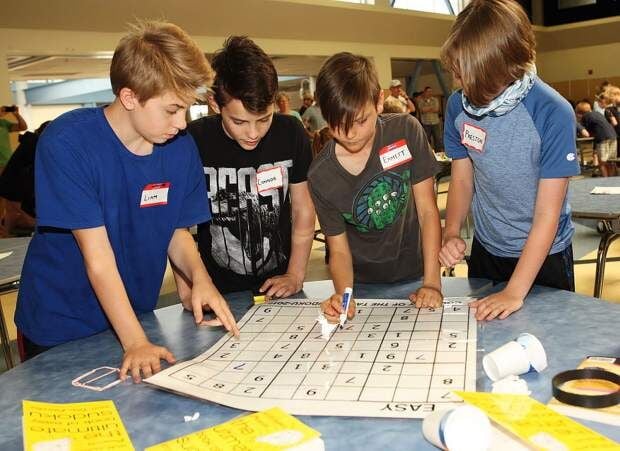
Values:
[(272, 429), (541, 427), (85, 426)]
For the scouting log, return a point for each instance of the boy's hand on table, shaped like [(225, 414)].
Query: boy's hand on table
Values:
[(282, 286), (207, 297), (452, 251), (498, 305), (332, 308), (143, 359), (427, 297)]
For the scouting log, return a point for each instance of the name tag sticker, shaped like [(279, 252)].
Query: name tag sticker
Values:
[(154, 194), (395, 154), (473, 137), (269, 179)]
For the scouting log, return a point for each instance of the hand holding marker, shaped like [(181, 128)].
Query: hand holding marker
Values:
[(346, 299)]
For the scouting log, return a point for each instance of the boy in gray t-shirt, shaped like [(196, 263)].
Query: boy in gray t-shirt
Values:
[(373, 188)]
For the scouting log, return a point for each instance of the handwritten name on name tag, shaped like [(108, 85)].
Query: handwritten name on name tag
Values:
[(154, 194), (269, 179), (473, 137), (395, 154)]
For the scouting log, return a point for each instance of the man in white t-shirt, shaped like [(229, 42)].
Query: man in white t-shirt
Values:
[(397, 92)]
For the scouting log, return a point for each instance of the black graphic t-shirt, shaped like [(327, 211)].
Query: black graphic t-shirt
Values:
[(249, 236), (376, 208)]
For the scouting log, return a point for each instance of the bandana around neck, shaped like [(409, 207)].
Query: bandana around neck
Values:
[(507, 100)]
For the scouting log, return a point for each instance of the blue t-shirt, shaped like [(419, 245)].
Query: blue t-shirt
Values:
[(85, 178), (510, 154)]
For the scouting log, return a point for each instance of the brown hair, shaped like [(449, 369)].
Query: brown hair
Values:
[(156, 57), (319, 140), (491, 44), (344, 86)]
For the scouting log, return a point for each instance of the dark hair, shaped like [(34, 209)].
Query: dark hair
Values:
[(491, 45), (427, 87), (319, 139), (42, 127), (345, 84), (245, 72)]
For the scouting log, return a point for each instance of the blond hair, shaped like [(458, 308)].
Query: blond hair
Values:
[(491, 44), (282, 96), (393, 105), (155, 57), (609, 94)]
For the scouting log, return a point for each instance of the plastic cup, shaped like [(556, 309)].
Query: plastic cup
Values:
[(515, 357), (464, 428), (535, 351), (507, 360)]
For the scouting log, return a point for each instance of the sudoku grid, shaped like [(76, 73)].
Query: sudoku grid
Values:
[(392, 359)]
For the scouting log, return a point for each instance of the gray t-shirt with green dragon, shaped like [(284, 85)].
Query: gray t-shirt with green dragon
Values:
[(376, 208)]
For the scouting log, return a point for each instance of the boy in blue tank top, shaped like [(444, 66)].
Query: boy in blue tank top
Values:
[(512, 141), (116, 189)]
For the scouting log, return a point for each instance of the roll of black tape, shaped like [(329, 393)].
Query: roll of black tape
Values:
[(581, 400)]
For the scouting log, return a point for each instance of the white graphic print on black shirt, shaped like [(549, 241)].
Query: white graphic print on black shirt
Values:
[(249, 237), (234, 201)]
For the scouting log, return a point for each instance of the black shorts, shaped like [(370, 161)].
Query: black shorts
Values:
[(555, 272), (28, 349)]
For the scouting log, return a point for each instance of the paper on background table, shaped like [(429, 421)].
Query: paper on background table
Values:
[(606, 190)]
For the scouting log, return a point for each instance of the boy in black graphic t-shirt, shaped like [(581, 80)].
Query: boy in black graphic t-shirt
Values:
[(255, 163)]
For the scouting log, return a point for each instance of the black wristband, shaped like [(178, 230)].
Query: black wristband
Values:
[(581, 400)]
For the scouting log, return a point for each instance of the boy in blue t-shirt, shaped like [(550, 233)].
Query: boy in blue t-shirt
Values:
[(116, 189), (512, 141)]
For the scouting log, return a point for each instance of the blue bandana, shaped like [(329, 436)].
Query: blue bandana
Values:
[(507, 100)]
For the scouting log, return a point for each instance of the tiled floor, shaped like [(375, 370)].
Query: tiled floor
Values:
[(585, 245)]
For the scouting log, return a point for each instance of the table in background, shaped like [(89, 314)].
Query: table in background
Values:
[(10, 273), (569, 325), (585, 144), (604, 208)]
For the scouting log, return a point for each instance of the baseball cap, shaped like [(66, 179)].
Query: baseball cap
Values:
[(395, 83)]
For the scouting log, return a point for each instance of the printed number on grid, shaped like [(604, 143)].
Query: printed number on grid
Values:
[(391, 360)]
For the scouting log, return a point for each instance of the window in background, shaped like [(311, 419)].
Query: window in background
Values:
[(361, 2), (431, 6), (565, 4), (197, 111)]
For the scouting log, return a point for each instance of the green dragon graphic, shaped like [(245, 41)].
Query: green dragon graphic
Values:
[(380, 202)]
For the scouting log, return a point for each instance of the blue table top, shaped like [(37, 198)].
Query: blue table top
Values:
[(595, 206), (570, 326)]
